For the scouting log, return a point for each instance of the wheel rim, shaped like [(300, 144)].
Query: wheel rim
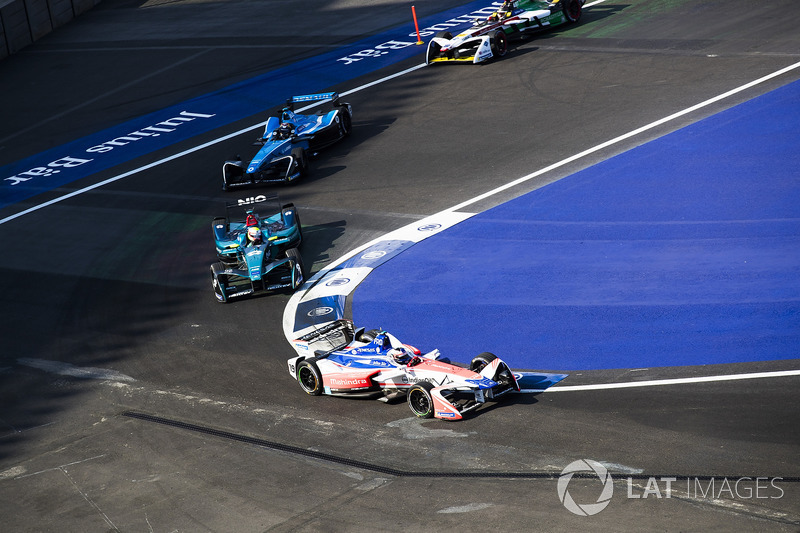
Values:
[(502, 44), (420, 403), (307, 378), (479, 366), (574, 10)]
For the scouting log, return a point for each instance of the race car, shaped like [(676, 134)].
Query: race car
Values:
[(488, 38), (256, 253), (288, 141), (339, 360)]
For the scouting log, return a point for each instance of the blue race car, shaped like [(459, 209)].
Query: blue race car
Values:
[(289, 140), (256, 253)]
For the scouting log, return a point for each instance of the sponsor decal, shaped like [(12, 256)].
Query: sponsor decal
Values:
[(389, 46), (338, 282), (251, 200), (320, 311), (69, 162), (445, 414), (349, 381), (373, 255), (241, 293), (429, 227)]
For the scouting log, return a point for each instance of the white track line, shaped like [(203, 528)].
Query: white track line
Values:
[(678, 381), (187, 152)]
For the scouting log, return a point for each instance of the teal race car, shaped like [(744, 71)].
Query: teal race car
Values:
[(256, 253), (488, 38)]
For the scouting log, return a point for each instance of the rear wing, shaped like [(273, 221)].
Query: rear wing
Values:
[(326, 339), (333, 96), (237, 211)]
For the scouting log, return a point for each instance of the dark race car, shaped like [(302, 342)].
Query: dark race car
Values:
[(288, 141), (488, 38), (256, 253)]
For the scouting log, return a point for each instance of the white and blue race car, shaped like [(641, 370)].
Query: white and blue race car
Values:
[(288, 140), (338, 360), (488, 38)]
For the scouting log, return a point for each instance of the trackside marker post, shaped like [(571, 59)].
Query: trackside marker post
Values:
[(416, 25)]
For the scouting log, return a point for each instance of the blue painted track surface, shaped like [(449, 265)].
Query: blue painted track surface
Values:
[(683, 251)]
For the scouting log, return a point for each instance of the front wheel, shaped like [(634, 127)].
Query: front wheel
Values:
[(299, 271), (346, 123), (572, 10), (219, 282), (301, 160), (420, 399), (309, 377), (499, 44)]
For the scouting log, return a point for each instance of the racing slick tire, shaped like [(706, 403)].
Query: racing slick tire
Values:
[(309, 377), (301, 157), (420, 400), (504, 376), (294, 253), (480, 361), (499, 44), (346, 124), (572, 10), (368, 336), (219, 282)]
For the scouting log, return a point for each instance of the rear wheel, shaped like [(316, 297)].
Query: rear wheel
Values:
[(480, 361), (368, 336), (309, 377), (572, 10), (499, 44), (420, 400)]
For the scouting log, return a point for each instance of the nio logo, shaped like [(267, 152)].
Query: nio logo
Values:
[(337, 282), (373, 255), (252, 199), (320, 311), (429, 227), (585, 465)]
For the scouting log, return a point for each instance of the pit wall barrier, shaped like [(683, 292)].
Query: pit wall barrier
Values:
[(24, 21)]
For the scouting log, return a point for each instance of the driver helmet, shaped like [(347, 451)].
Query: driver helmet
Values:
[(401, 355), (285, 130), (253, 234)]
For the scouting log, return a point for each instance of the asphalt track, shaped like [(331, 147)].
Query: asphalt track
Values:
[(132, 401)]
